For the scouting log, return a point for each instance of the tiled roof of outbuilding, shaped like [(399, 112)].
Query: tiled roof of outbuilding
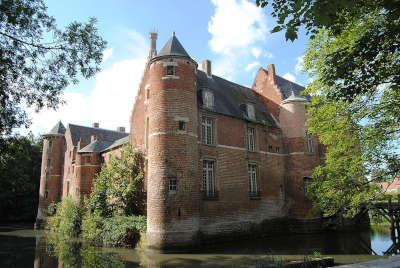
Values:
[(95, 146), (118, 143), (85, 133), (230, 97)]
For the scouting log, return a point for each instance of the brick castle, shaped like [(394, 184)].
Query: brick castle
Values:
[(220, 158)]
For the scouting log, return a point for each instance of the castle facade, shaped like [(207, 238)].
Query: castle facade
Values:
[(220, 158)]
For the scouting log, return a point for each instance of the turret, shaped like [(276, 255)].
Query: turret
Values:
[(51, 171), (293, 116), (173, 187)]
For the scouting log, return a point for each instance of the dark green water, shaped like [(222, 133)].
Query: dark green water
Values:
[(22, 247)]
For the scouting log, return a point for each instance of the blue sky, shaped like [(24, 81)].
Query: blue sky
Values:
[(233, 34)]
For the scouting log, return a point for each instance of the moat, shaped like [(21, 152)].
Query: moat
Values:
[(23, 247)]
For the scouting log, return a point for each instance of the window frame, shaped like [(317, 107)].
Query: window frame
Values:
[(206, 127), (251, 143), (309, 143), (208, 102), (168, 68), (209, 183), (172, 187), (253, 179), (251, 113)]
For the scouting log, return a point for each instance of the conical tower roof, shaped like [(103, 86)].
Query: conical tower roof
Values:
[(57, 129), (173, 48)]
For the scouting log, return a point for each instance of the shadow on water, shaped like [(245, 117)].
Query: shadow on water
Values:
[(22, 248)]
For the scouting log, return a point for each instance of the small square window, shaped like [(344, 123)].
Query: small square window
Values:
[(182, 125), (170, 70), (172, 184)]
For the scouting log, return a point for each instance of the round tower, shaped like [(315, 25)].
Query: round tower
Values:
[(173, 189), (292, 116), (51, 170)]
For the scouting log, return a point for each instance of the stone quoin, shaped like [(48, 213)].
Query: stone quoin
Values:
[(220, 158)]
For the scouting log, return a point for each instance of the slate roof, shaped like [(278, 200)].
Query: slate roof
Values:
[(95, 146), (57, 129), (118, 143), (230, 98), (173, 48), (85, 133)]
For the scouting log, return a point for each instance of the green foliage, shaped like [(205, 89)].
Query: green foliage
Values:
[(123, 230), (38, 60), (118, 188), (20, 160), (354, 60), (68, 218), (92, 225)]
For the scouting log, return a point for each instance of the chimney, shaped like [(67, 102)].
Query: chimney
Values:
[(95, 125), (93, 138), (121, 129), (271, 73), (206, 67), (153, 45)]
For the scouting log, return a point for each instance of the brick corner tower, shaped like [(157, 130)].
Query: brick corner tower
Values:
[(173, 187), (51, 170)]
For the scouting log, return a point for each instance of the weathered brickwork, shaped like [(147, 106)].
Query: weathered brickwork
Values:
[(219, 158)]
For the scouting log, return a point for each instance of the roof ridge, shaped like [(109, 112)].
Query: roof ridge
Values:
[(116, 131)]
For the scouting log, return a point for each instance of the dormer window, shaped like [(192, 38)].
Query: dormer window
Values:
[(250, 111), (208, 99), (170, 70)]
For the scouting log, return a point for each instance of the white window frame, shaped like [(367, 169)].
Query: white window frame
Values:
[(251, 138), (252, 172), (172, 184), (207, 130), (250, 110), (209, 181), (208, 99)]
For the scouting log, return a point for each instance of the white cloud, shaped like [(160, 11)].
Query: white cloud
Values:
[(109, 102), (237, 28), (256, 52), (107, 54), (268, 55), (236, 24), (299, 64), (289, 77), (252, 65)]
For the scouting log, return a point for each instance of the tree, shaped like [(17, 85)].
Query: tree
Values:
[(20, 162), (354, 59), (38, 60), (118, 188)]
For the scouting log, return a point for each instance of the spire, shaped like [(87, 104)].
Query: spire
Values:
[(173, 48), (58, 129)]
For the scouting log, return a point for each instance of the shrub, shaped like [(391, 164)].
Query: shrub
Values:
[(67, 218), (92, 225), (123, 230)]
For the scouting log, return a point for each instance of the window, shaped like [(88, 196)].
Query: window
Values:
[(253, 184), (147, 133), (169, 70), (309, 138), (208, 99), (250, 111), (207, 130), (86, 159), (277, 149), (209, 186), (172, 184), (270, 148), (182, 125), (306, 182), (251, 139), (67, 188), (47, 175), (50, 146), (48, 163), (46, 194)]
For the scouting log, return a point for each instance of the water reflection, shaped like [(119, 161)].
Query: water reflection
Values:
[(21, 248)]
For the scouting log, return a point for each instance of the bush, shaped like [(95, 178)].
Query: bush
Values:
[(92, 225), (123, 230), (67, 218)]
